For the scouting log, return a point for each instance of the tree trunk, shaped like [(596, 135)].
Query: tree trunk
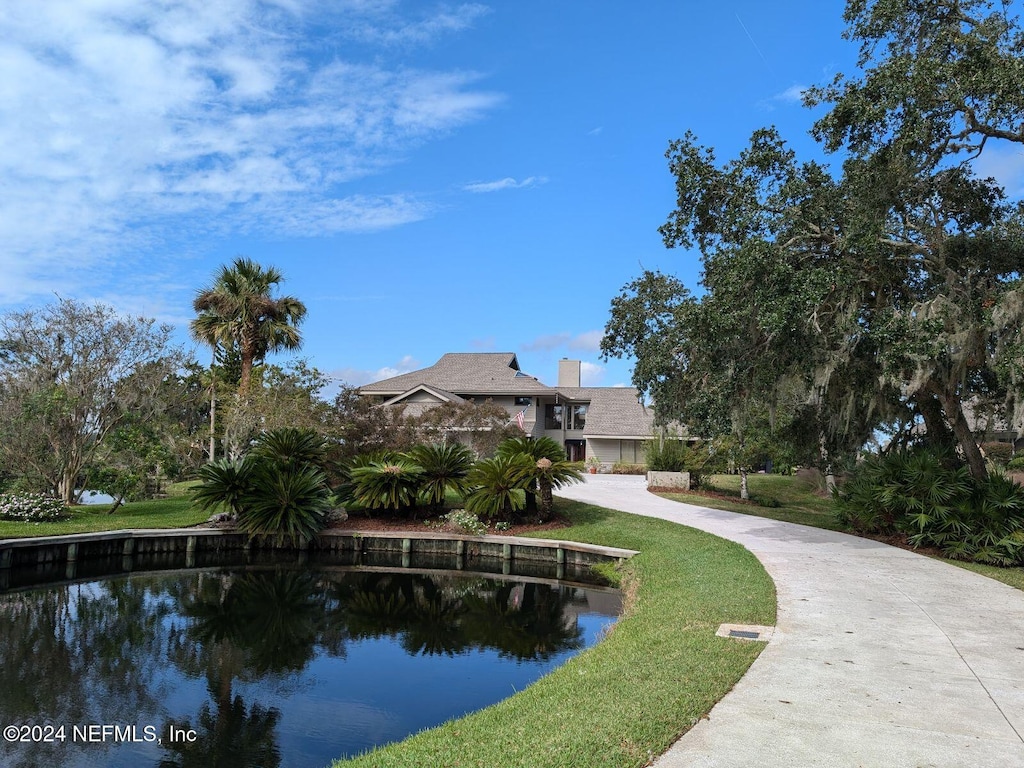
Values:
[(826, 463), (531, 502), (213, 417), (547, 501), (936, 427), (744, 492), (964, 436)]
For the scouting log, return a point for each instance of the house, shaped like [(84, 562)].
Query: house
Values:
[(611, 423)]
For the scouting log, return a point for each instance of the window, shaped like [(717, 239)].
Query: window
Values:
[(523, 400), (631, 451), (552, 416), (577, 417)]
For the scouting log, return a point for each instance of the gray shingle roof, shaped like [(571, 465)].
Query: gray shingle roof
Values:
[(613, 411), (465, 373)]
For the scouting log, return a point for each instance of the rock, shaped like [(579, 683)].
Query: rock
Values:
[(338, 515), (223, 519)]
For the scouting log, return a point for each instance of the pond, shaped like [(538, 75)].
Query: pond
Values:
[(270, 666)]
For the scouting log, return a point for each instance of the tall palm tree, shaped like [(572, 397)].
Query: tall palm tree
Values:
[(238, 310)]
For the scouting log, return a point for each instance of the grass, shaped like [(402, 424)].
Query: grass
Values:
[(630, 697), (800, 502), (175, 511), (781, 497)]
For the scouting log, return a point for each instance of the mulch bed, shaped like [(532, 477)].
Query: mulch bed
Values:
[(397, 524)]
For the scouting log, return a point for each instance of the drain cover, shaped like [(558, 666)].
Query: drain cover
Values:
[(744, 634)]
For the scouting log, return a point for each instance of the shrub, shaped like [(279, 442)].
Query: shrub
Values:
[(919, 494), (32, 508), (998, 453), (224, 482), (289, 502), (1015, 463), (547, 469), (499, 485), (466, 521), (666, 455), (387, 485), (621, 468), (276, 490), (291, 447), (445, 467)]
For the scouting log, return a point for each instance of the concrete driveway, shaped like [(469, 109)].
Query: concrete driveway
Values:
[(880, 657)]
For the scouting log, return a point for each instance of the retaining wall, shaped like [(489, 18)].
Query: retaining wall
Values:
[(44, 560)]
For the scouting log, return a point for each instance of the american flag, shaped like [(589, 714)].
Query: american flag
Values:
[(521, 419)]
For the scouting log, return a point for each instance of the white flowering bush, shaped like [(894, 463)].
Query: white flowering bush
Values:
[(465, 521), (32, 508)]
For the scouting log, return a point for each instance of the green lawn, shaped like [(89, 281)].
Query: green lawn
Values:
[(632, 695), (800, 502), (780, 497), (176, 511)]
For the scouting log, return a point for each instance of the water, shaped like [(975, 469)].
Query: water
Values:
[(270, 667)]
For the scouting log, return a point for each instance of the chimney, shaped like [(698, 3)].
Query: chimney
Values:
[(568, 373)]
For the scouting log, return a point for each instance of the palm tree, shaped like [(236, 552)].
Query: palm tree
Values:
[(445, 467), (548, 470), (499, 485), (238, 310)]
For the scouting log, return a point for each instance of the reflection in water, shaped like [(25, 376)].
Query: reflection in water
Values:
[(271, 667)]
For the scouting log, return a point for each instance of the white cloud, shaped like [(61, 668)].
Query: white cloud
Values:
[(121, 122), (589, 341), (792, 95), (507, 183), (546, 342), (591, 375), (385, 27), (357, 377)]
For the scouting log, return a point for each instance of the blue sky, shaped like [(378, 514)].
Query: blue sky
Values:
[(430, 177)]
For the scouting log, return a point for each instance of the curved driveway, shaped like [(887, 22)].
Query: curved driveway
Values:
[(880, 657)]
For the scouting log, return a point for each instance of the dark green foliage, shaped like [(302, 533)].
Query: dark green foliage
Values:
[(289, 502), (499, 486), (275, 490), (919, 494), (224, 482), (881, 292), (393, 484), (549, 468), (445, 467), (535, 448), (238, 311), (290, 447), (666, 456)]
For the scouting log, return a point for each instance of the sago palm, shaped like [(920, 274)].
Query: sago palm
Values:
[(499, 486), (445, 467), (224, 482), (387, 485), (549, 469), (291, 447), (286, 502)]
